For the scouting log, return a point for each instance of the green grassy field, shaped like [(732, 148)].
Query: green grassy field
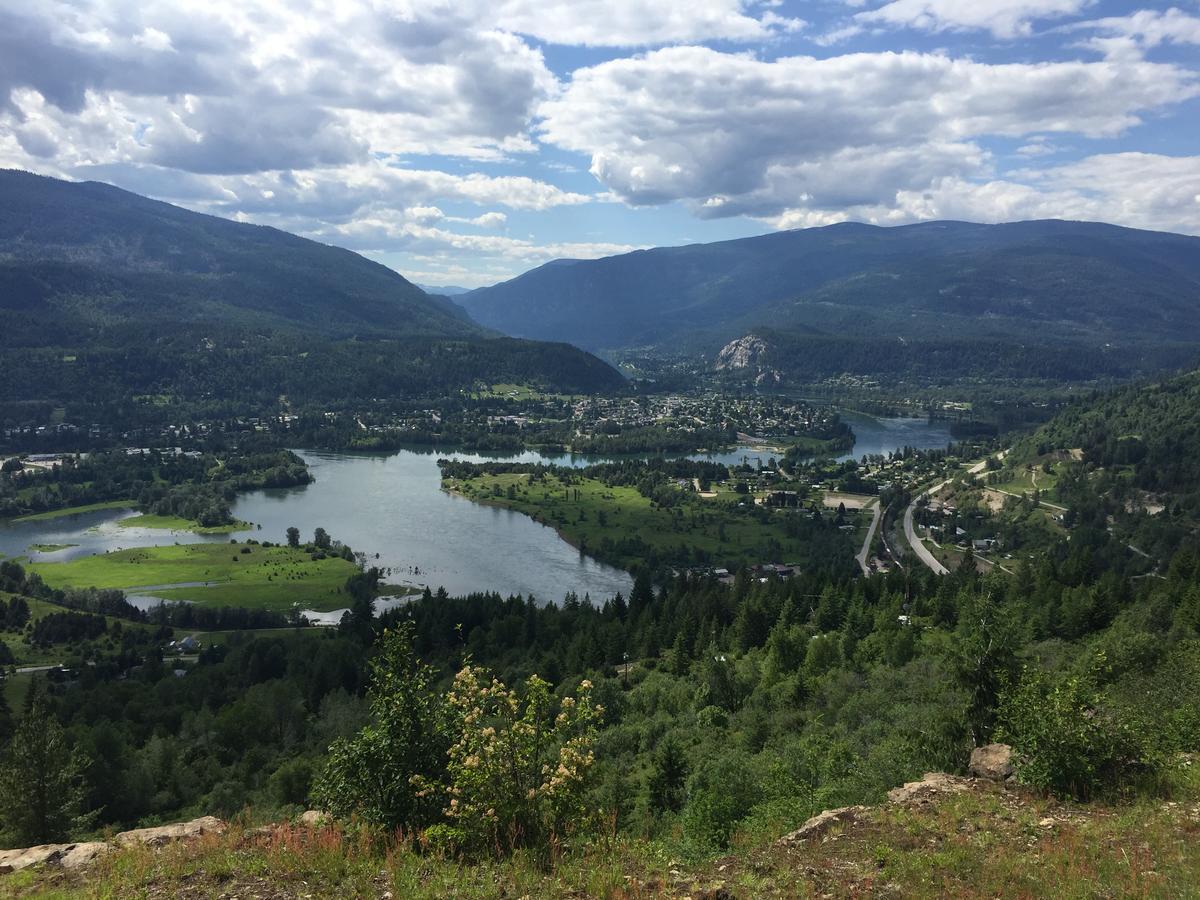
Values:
[(175, 523), (260, 578), (75, 510), (50, 548), (515, 392), (620, 526)]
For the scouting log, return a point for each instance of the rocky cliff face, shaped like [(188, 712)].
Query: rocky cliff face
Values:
[(748, 352)]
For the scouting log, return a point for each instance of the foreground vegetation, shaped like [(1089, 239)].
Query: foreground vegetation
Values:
[(744, 710), (988, 842), (662, 741)]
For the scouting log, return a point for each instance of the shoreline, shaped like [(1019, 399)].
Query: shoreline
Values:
[(558, 531)]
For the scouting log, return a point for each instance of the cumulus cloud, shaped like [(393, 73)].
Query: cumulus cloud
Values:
[(382, 231), (1139, 190), (1038, 145), (360, 122), (254, 85), (732, 134), (489, 220), (1003, 18)]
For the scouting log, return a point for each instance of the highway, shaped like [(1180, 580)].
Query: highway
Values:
[(910, 535)]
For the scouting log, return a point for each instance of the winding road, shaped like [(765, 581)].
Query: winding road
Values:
[(910, 534)]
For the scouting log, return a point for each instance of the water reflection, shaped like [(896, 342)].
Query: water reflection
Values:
[(392, 508)]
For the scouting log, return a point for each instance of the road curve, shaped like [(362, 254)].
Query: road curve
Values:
[(921, 551)]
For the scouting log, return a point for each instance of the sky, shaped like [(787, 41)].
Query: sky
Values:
[(462, 143)]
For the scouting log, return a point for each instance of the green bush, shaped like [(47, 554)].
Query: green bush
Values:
[(371, 775), (720, 794), (1070, 741)]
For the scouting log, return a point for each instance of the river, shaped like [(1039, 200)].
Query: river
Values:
[(393, 506), (873, 437)]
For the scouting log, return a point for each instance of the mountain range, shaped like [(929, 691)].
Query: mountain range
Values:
[(1102, 291), (106, 293), (102, 290), (89, 255)]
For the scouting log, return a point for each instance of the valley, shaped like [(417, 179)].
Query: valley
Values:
[(790, 522), (412, 527)]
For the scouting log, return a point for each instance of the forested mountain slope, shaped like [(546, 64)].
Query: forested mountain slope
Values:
[(104, 293), (86, 256), (1148, 434), (1019, 284)]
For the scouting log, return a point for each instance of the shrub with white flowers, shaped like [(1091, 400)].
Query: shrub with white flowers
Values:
[(518, 768)]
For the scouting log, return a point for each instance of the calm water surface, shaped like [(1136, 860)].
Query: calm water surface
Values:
[(90, 533), (873, 437), (878, 437), (393, 506)]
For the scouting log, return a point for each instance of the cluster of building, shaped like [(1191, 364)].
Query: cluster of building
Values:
[(752, 416), (951, 529), (761, 572)]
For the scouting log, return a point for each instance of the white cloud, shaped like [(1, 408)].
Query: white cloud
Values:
[(441, 271), (342, 194), (737, 135), (1132, 35), (322, 117), (253, 85), (1038, 145), (634, 23), (1139, 190), (489, 220), (416, 213), (386, 231), (837, 35), (1003, 18)]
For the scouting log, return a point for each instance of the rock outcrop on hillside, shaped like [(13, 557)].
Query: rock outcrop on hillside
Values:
[(71, 856), (992, 763), (749, 352)]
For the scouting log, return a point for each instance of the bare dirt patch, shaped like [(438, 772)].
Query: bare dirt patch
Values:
[(852, 501)]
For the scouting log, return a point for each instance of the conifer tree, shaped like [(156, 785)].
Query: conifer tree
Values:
[(41, 784)]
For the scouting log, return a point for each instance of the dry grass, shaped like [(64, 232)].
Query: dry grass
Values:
[(988, 842)]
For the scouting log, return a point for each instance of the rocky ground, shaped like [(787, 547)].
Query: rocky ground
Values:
[(945, 835)]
